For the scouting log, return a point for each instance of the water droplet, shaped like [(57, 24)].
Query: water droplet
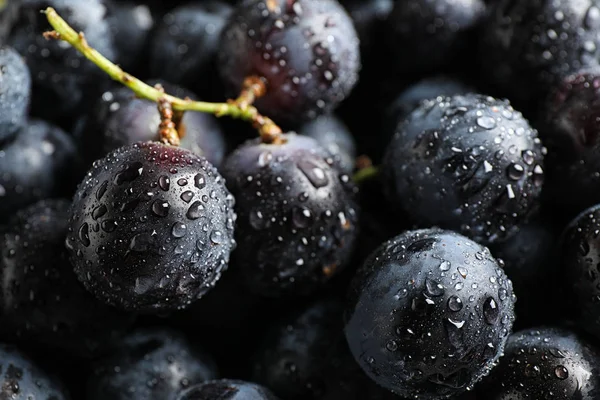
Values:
[(556, 353), (490, 311), (131, 173), (487, 167), (463, 272), (12, 252), (343, 221), (592, 18), (301, 217), (486, 122), (257, 219), (528, 157), (195, 210), (182, 182), (199, 181), (264, 158), (445, 266), (315, 174), (433, 288), (454, 333), (532, 370), (303, 197), (164, 182), (216, 237), (392, 345), (187, 196), (421, 245), (160, 208), (457, 324), (99, 212), (84, 236), (502, 294), (101, 190), (140, 242), (584, 248), (515, 171), (561, 372), (179, 230), (455, 303), (108, 225), (538, 176)]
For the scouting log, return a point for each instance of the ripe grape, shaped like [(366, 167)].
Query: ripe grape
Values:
[(151, 228), (307, 52)]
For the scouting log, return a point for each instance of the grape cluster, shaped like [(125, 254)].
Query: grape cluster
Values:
[(407, 206)]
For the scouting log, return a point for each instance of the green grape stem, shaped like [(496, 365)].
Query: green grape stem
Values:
[(269, 131)]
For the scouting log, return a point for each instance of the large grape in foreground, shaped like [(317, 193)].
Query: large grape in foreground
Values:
[(297, 215), (469, 163), (428, 314), (151, 227)]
